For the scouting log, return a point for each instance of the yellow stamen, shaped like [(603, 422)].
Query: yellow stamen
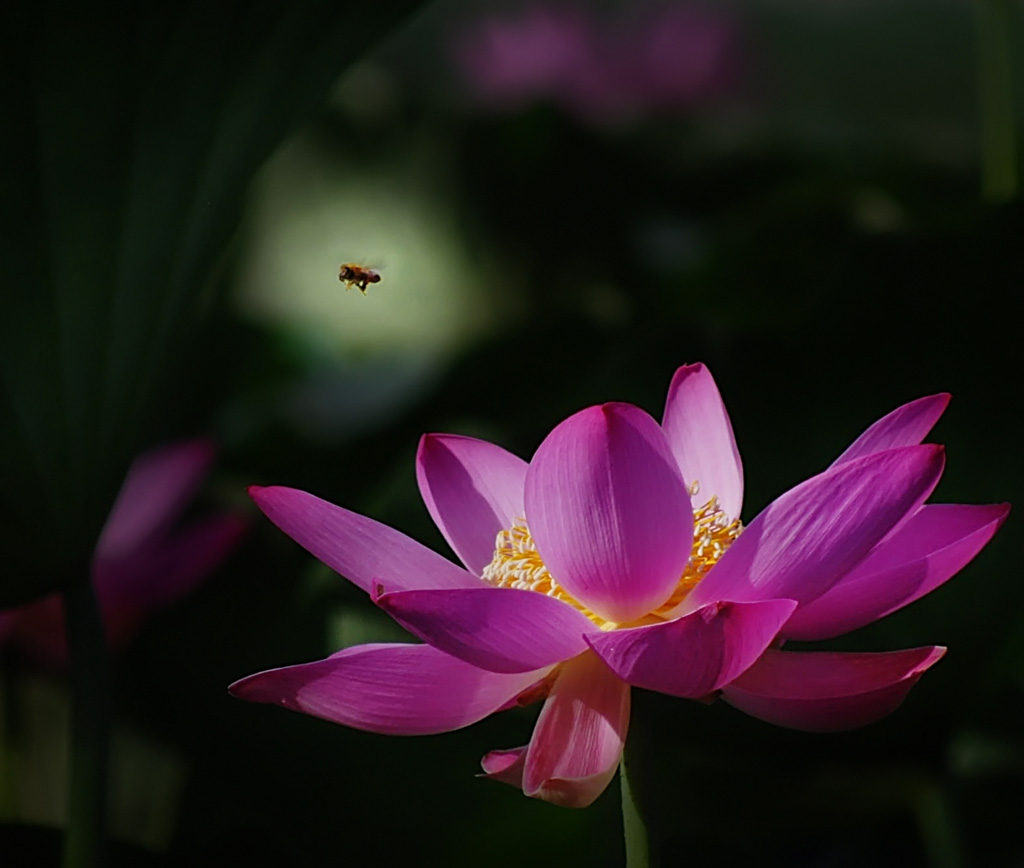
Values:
[(517, 564)]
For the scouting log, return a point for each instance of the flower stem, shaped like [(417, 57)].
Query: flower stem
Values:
[(634, 830), (998, 140), (90, 699)]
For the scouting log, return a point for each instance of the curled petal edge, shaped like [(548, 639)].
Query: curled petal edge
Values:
[(505, 766)]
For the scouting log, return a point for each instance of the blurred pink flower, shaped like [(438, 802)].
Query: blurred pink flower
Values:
[(616, 558), (603, 68), (143, 559)]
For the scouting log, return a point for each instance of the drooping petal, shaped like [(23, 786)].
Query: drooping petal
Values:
[(935, 544), (905, 426), (473, 490), (696, 654), (825, 691), (364, 551), (158, 486), (506, 766), (814, 534), (578, 739), (498, 629), (699, 431), (609, 511), (387, 688)]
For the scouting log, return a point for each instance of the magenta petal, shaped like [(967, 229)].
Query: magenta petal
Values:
[(699, 431), (498, 629), (506, 766), (905, 426), (937, 542), (473, 490), (364, 551), (609, 511), (578, 739), (814, 534), (390, 689), (828, 691), (697, 654), (158, 486)]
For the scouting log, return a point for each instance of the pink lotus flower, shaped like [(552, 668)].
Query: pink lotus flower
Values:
[(620, 562), (142, 560), (603, 68)]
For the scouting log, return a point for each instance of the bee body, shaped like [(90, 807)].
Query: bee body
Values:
[(356, 275)]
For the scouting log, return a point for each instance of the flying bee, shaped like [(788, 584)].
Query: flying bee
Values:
[(356, 275)]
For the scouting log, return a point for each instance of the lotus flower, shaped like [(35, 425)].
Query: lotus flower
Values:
[(616, 558), (603, 68), (142, 561)]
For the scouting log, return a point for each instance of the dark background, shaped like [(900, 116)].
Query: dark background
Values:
[(825, 224)]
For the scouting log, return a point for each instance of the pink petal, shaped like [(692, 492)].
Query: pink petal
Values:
[(700, 433), (498, 629), (905, 426), (390, 689), (156, 490), (697, 654), (937, 542), (815, 533), (364, 551), (828, 691), (609, 511), (473, 490), (506, 766), (578, 739)]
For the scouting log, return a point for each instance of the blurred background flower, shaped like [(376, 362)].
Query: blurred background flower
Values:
[(604, 67), (144, 559)]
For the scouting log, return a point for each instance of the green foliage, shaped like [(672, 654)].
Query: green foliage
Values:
[(132, 131)]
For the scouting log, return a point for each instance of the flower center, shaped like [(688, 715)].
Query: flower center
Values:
[(517, 564)]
